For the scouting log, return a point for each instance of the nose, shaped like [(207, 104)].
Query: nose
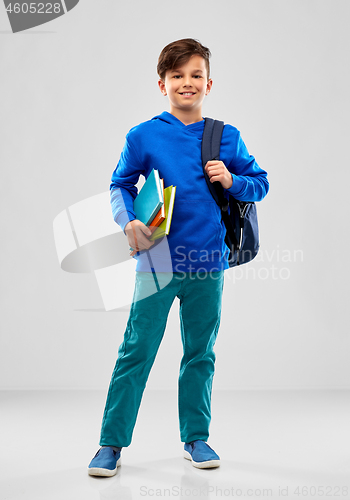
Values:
[(187, 81)]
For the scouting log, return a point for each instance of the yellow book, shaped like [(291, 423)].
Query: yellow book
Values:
[(164, 228)]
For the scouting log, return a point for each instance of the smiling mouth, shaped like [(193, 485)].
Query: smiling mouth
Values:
[(187, 93)]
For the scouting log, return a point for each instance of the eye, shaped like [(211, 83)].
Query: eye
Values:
[(197, 76), (177, 76)]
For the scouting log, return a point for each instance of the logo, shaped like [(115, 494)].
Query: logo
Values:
[(24, 15), (88, 240)]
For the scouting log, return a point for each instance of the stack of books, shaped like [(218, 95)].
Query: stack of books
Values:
[(154, 205)]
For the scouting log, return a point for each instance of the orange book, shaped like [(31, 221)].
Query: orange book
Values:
[(160, 217)]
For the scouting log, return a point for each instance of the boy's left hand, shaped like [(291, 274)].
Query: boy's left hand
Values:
[(217, 171)]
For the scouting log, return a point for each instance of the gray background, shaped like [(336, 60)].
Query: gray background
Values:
[(70, 91)]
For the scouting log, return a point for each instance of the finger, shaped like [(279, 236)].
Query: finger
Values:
[(209, 169), (140, 248), (146, 231), (215, 172), (148, 244), (215, 178), (217, 165), (143, 243)]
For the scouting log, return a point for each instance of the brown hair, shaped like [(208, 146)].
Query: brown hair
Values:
[(177, 53)]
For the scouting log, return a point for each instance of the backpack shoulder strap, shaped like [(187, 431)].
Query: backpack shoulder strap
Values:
[(211, 142)]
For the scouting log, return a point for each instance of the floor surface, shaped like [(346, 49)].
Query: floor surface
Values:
[(272, 444)]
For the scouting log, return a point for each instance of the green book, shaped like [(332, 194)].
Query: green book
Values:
[(164, 228)]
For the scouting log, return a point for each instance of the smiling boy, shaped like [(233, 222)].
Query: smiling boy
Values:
[(171, 143)]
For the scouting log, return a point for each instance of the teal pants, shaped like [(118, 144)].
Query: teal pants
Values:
[(200, 296)]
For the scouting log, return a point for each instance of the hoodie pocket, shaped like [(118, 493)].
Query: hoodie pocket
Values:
[(196, 225)]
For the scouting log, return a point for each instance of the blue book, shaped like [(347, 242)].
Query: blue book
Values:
[(149, 200)]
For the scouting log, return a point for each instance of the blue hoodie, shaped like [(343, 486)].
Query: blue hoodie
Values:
[(196, 238)]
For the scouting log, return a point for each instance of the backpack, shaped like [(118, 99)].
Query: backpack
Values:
[(239, 217)]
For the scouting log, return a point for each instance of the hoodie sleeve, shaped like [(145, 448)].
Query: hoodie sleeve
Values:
[(250, 182), (123, 189)]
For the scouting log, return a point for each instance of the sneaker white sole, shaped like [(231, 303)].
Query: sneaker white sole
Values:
[(202, 465), (96, 471)]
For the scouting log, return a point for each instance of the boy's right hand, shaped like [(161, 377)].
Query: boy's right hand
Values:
[(137, 234)]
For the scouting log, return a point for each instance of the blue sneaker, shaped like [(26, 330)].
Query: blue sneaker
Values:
[(201, 455), (105, 462)]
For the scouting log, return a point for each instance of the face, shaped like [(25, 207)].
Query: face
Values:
[(187, 85)]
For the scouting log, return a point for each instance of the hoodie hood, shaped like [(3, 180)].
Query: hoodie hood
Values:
[(172, 120)]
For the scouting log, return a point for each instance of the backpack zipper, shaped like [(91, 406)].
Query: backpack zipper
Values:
[(241, 224)]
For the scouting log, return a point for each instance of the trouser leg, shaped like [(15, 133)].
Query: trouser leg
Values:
[(143, 335), (200, 312)]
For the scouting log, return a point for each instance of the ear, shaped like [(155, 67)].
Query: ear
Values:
[(209, 86), (161, 85)]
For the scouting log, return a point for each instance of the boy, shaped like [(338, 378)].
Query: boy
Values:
[(171, 143)]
